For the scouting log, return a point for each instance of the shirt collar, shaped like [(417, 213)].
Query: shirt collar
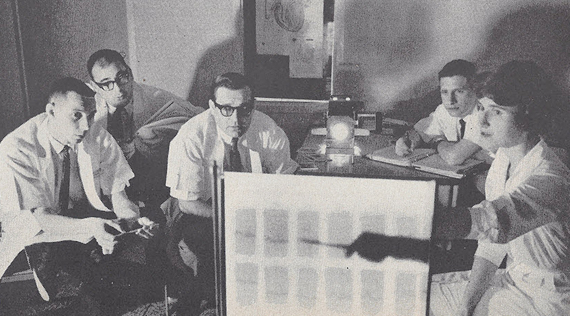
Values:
[(530, 160), (128, 107), (58, 146), (227, 138), (223, 136), (473, 110)]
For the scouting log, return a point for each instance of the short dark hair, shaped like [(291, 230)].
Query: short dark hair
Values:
[(458, 67), (68, 84), (517, 83), (230, 80), (107, 55), (525, 85)]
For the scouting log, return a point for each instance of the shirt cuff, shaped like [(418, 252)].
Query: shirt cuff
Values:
[(184, 195), (435, 142), (290, 168), (118, 186), (25, 226), (495, 253), (484, 222)]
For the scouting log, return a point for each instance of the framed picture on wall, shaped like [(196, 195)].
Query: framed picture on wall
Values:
[(288, 47)]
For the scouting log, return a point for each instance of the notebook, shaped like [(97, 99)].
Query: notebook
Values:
[(426, 159)]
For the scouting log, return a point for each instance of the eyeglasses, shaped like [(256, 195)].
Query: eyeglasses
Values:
[(123, 77), (227, 110)]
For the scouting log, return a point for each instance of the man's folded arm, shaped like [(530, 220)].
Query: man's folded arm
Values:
[(63, 226), (123, 207), (196, 207), (455, 153)]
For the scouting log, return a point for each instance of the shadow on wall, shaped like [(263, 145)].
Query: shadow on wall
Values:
[(538, 32), (385, 40), (224, 57)]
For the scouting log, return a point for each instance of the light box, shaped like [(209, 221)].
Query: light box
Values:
[(275, 242)]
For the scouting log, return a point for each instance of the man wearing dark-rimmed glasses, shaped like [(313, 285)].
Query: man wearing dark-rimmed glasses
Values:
[(238, 138), (143, 119)]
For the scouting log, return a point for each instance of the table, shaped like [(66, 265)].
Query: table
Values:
[(459, 256), (313, 149)]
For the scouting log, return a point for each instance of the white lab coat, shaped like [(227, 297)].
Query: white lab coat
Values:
[(537, 278), (28, 181)]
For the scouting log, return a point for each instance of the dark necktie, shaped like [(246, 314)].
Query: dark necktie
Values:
[(118, 124), (462, 130), (235, 159), (64, 187)]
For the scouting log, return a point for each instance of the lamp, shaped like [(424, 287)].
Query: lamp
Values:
[(340, 135), (340, 131)]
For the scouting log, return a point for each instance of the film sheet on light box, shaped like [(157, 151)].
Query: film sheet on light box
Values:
[(272, 270)]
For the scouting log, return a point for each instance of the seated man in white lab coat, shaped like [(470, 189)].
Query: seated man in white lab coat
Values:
[(57, 172), (235, 136)]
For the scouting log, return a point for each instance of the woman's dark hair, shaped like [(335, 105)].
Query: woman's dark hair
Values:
[(525, 85)]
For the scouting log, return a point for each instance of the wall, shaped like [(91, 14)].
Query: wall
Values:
[(12, 96), (387, 51), (181, 45), (59, 35), (295, 117), (391, 50), (176, 45)]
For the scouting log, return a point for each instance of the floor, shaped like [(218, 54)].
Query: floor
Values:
[(21, 298)]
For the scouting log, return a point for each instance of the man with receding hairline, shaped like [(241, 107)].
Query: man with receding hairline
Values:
[(57, 175), (143, 119)]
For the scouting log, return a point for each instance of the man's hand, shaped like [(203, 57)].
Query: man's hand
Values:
[(142, 226), (482, 273), (484, 155), (406, 144), (372, 247), (104, 231), (148, 229), (465, 310), (376, 247)]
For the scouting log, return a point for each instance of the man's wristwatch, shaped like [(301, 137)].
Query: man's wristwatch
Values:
[(434, 143)]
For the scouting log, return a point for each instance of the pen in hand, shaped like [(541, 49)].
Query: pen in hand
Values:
[(406, 144), (407, 139)]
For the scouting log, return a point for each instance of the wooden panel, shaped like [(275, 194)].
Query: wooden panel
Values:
[(295, 117)]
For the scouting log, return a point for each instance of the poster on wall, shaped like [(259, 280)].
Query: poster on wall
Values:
[(292, 28), (284, 239)]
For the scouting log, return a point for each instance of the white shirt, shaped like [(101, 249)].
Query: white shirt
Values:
[(538, 190), (263, 148), (537, 279), (29, 180), (439, 125), (76, 191)]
